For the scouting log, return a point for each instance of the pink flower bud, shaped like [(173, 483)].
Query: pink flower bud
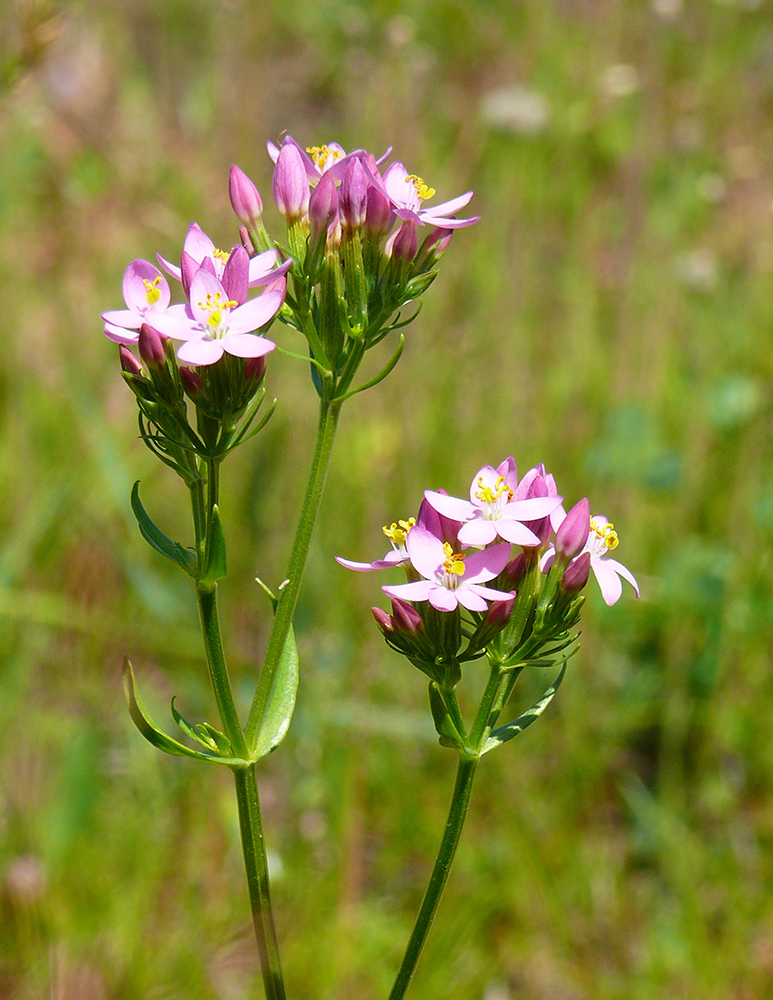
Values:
[(378, 214), (576, 575), (573, 532), (247, 243), (403, 243), (511, 576), (151, 347), (353, 196), (245, 199), (383, 620), (192, 384), (255, 369), (236, 275), (290, 184), (323, 205), (405, 617), (439, 240), (498, 614), (129, 362)]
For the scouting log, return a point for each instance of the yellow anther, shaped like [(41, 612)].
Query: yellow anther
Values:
[(422, 190), (221, 254), (489, 495), (214, 306), (605, 533), (397, 532), (454, 561), (152, 290), (321, 154)]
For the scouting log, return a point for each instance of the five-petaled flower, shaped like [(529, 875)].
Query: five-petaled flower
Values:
[(602, 539), (451, 578), (407, 192), (146, 293)]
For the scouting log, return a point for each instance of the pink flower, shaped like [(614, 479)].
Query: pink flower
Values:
[(407, 192), (318, 160), (397, 533), (199, 251), (450, 578), (602, 538), (213, 323), (146, 294), (492, 511)]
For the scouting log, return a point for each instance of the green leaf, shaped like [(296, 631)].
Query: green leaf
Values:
[(156, 538), (159, 739), (281, 700), (204, 734), (504, 733), (215, 568)]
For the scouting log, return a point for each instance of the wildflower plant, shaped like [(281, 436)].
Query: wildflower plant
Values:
[(498, 577)]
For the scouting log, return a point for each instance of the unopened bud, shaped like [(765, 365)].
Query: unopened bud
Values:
[(576, 574), (379, 216), (247, 243), (403, 243), (129, 363), (254, 369), (151, 347), (511, 576), (573, 532), (498, 614), (405, 617), (236, 275), (383, 620), (290, 183), (192, 384), (323, 205), (353, 196), (245, 198)]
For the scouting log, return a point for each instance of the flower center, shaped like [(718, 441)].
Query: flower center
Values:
[(603, 535), (422, 190), (324, 157), (216, 306), (453, 566), (221, 255), (397, 533), (152, 290)]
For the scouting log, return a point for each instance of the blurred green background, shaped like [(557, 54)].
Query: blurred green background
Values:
[(610, 315)]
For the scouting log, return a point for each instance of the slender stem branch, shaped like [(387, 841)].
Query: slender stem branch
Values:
[(328, 420), (256, 866), (456, 815)]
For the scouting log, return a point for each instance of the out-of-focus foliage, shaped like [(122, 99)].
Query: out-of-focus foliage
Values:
[(610, 315)]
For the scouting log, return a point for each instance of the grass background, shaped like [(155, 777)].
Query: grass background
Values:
[(610, 315)]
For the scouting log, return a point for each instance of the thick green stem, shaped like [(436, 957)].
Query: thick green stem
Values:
[(288, 598), (437, 882), (257, 881)]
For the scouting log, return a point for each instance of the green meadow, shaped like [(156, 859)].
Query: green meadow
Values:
[(610, 315)]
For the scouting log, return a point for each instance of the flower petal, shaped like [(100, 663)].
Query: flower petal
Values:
[(443, 599), (418, 591), (201, 351), (453, 507), (608, 580), (247, 345), (255, 313)]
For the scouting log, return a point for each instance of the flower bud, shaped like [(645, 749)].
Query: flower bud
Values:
[(254, 369), (323, 205), (247, 243), (236, 275), (511, 576), (403, 243), (290, 183), (378, 214), (129, 363), (151, 347), (192, 384), (353, 196), (498, 614), (245, 199), (405, 617), (383, 620), (576, 575), (573, 531)]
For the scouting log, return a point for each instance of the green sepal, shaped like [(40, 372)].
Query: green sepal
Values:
[(448, 734), (281, 701), (204, 734), (215, 562), (504, 733), (156, 538), (159, 739)]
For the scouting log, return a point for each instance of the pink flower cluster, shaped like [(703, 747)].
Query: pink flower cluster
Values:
[(217, 317), (455, 547)]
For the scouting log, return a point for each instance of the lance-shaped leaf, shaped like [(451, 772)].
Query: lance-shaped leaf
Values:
[(504, 733), (204, 734), (281, 700), (215, 568), (156, 736), (156, 538)]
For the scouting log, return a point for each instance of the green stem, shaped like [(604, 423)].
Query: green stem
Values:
[(256, 866), (288, 598), (456, 815)]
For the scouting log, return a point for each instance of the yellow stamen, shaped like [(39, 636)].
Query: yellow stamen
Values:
[(605, 533), (321, 154), (152, 290), (422, 190), (222, 255), (454, 561), (489, 495), (396, 533), (214, 306)]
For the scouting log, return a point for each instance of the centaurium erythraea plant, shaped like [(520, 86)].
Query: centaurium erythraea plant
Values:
[(349, 262)]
